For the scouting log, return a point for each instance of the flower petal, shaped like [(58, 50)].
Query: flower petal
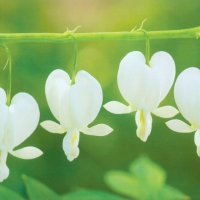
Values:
[(152, 100), (3, 119), (165, 112), (53, 127), (27, 153), (56, 83), (187, 95), (97, 130), (144, 123), (23, 119), (133, 78), (3, 113), (117, 107), (197, 138), (4, 171), (70, 144), (198, 151), (2, 96), (163, 65), (80, 104), (179, 126)]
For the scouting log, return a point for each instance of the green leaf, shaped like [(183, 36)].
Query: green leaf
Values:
[(7, 194), (149, 173), (36, 190), (125, 184), (90, 195), (168, 192)]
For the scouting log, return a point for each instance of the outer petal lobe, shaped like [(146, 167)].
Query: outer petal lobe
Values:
[(81, 103), (56, 83), (163, 66), (179, 126), (187, 95), (97, 130), (165, 112), (2, 96), (23, 119), (27, 153), (134, 77), (117, 107), (52, 127)]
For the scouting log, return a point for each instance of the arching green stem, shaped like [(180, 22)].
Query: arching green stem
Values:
[(75, 60), (7, 38)]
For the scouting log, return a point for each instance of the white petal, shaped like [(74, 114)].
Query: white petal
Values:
[(152, 100), (2, 96), (187, 95), (144, 123), (3, 119), (165, 112), (81, 103), (27, 153), (179, 126), (4, 171), (52, 127), (97, 130), (134, 78), (198, 151), (23, 119), (163, 65), (117, 107), (56, 83), (70, 144), (197, 138), (3, 113)]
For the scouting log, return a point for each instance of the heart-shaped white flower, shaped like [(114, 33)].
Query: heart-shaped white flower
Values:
[(144, 87), (17, 123), (75, 107), (187, 97)]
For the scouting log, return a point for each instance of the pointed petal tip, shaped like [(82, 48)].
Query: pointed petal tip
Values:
[(179, 126), (97, 130), (165, 112), (27, 153), (116, 107), (52, 127)]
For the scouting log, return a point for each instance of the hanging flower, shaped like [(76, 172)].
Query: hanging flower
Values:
[(17, 123), (144, 87), (75, 107), (187, 97)]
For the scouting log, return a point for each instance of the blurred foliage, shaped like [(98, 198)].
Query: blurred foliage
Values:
[(33, 62), (146, 181), (38, 191)]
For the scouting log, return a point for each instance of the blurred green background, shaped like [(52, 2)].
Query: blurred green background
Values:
[(33, 62)]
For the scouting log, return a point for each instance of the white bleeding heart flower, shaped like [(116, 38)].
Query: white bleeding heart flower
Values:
[(187, 97), (75, 107), (144, 87), (17, 123)]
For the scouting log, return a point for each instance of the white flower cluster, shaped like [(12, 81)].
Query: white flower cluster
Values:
[(75, 106)]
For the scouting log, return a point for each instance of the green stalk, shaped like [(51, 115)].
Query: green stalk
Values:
[(75, 60), (102, 36), (9, 75)]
